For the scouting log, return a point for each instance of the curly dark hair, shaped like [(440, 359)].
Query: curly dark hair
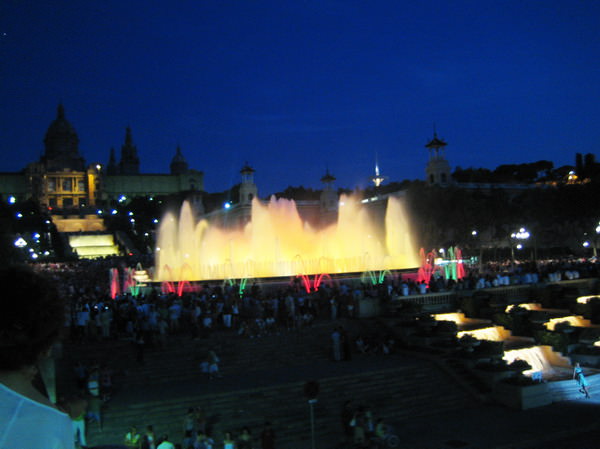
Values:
[(32, 315)]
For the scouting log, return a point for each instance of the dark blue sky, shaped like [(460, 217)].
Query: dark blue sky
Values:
[(294, 87)]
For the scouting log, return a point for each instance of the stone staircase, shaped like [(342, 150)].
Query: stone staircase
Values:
[(411, 390), (263, 380), (180, 360)]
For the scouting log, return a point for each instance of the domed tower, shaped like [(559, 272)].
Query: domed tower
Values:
[(62, 145), (329, 197), (130, 162), (179, 166), (438, 168), (248, 190)]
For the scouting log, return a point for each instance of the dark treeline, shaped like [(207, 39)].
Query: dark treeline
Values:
[(559, 216)]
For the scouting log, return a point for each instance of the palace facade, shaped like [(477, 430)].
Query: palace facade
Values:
[(61, 179)]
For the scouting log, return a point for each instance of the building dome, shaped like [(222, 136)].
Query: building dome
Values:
[(62, 144)]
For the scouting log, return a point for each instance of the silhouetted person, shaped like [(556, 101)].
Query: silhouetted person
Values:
[(31, 317)]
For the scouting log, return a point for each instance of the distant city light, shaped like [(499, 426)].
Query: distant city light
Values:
[(46, 253), (155, 221), (130, 214), (19, 215), (122, 198), (473, 233), (114, 212), (12, 200), (132, 220), (98, 167), (47, 221), (99, 212), (34, 256), (519, 246), (20, 243), (36, 236), (523, 234), (586, 244)]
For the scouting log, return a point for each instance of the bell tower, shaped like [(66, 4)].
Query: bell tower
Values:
[(130, 162), (438, 168), (248, 190)]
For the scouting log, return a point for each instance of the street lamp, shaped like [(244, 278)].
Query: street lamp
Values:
[(521, 235)]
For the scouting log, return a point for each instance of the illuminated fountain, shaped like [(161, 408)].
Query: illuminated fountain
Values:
[(587, 299), (528, 306), (573, 320), (475, 327), (542, 359), (276, 242)]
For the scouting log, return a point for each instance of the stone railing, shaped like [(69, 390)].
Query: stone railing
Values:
[(444, 301)]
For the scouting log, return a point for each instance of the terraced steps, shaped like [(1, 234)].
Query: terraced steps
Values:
[(412, 389)]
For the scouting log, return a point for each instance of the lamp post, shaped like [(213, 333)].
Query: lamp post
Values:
[(521, 235), (593, 242)]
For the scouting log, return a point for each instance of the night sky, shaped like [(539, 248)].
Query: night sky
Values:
[(295, 87)]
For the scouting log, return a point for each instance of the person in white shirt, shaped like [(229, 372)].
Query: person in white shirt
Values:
[(31, 317), (166, 444)]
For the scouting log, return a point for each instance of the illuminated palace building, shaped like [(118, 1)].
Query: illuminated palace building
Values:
[(62, 181)]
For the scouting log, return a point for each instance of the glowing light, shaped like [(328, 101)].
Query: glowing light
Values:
[(523, 234), (458, 318), (122, 198), (114, 212), (47, 221), (542, 360), (99, 212), (519, 246), (12, 200), (586, 299), (586, 244), (46, 253), (20, 243), (130, 214), (19, 215), (528, 306), (227, 205), (132, 220), (34, 256), (473, 233), (493, 333), (155, 221), (573, 320), (36, 236)]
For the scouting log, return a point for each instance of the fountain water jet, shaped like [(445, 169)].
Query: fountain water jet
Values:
[(276, 242)]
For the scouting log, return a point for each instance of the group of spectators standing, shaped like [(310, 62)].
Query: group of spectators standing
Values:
[(197, 434), (151, 318)]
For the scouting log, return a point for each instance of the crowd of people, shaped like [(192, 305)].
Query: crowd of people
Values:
[(155, 315), (197, 434)]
